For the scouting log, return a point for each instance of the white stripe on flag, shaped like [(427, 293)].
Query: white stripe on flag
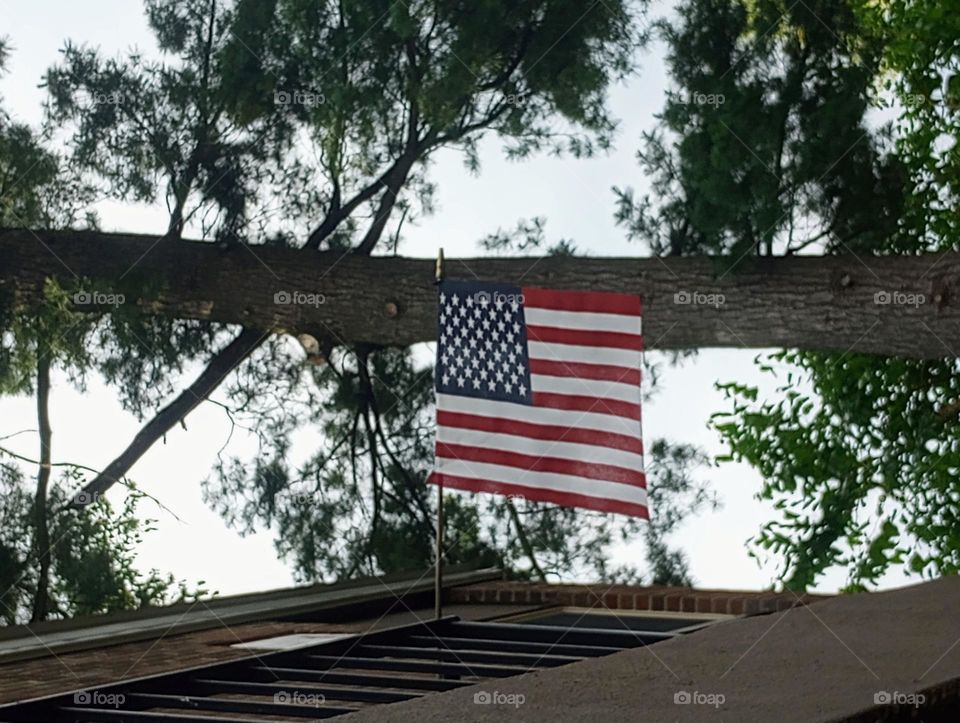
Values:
[(538, 415), (585, 388), (543, 480), (540, 448), (584, 354), (584, 320)]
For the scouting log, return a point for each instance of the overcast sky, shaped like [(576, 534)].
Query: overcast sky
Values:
[(573, 195)]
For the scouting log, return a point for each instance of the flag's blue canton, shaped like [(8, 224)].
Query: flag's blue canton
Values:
[(482, 342)]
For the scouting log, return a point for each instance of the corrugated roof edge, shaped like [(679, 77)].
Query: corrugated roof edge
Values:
[(25, 642)]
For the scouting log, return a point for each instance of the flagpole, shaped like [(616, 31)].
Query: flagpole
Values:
[(438, 567), (643, 365)]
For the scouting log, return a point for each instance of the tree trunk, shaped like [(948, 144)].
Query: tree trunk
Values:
[(907, 306)]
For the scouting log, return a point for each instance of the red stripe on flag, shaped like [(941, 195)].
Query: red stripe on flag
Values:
[(530, 463), (597, 405), (600, 302), (579, 337), (536, 494), (550, 432), (597, 372)]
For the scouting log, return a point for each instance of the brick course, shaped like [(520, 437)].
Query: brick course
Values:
[(624, 597)]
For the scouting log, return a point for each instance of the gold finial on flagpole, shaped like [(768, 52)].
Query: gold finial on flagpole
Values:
[(439, 269)]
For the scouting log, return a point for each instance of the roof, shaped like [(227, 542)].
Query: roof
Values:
[(336, 677), (52, 657), (63, 656), (837, 660), (23, 642)]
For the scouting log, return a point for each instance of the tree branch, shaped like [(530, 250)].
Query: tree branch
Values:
[(525, 542), (222, 363), (337, 213), (387, 202), (514, 63)]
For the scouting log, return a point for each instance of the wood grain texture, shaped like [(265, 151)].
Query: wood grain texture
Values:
[(816, 303)]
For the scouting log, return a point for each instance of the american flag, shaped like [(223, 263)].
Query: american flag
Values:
[(538, 395)]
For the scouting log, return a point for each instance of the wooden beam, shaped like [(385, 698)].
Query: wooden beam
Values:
[(907, 306)]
